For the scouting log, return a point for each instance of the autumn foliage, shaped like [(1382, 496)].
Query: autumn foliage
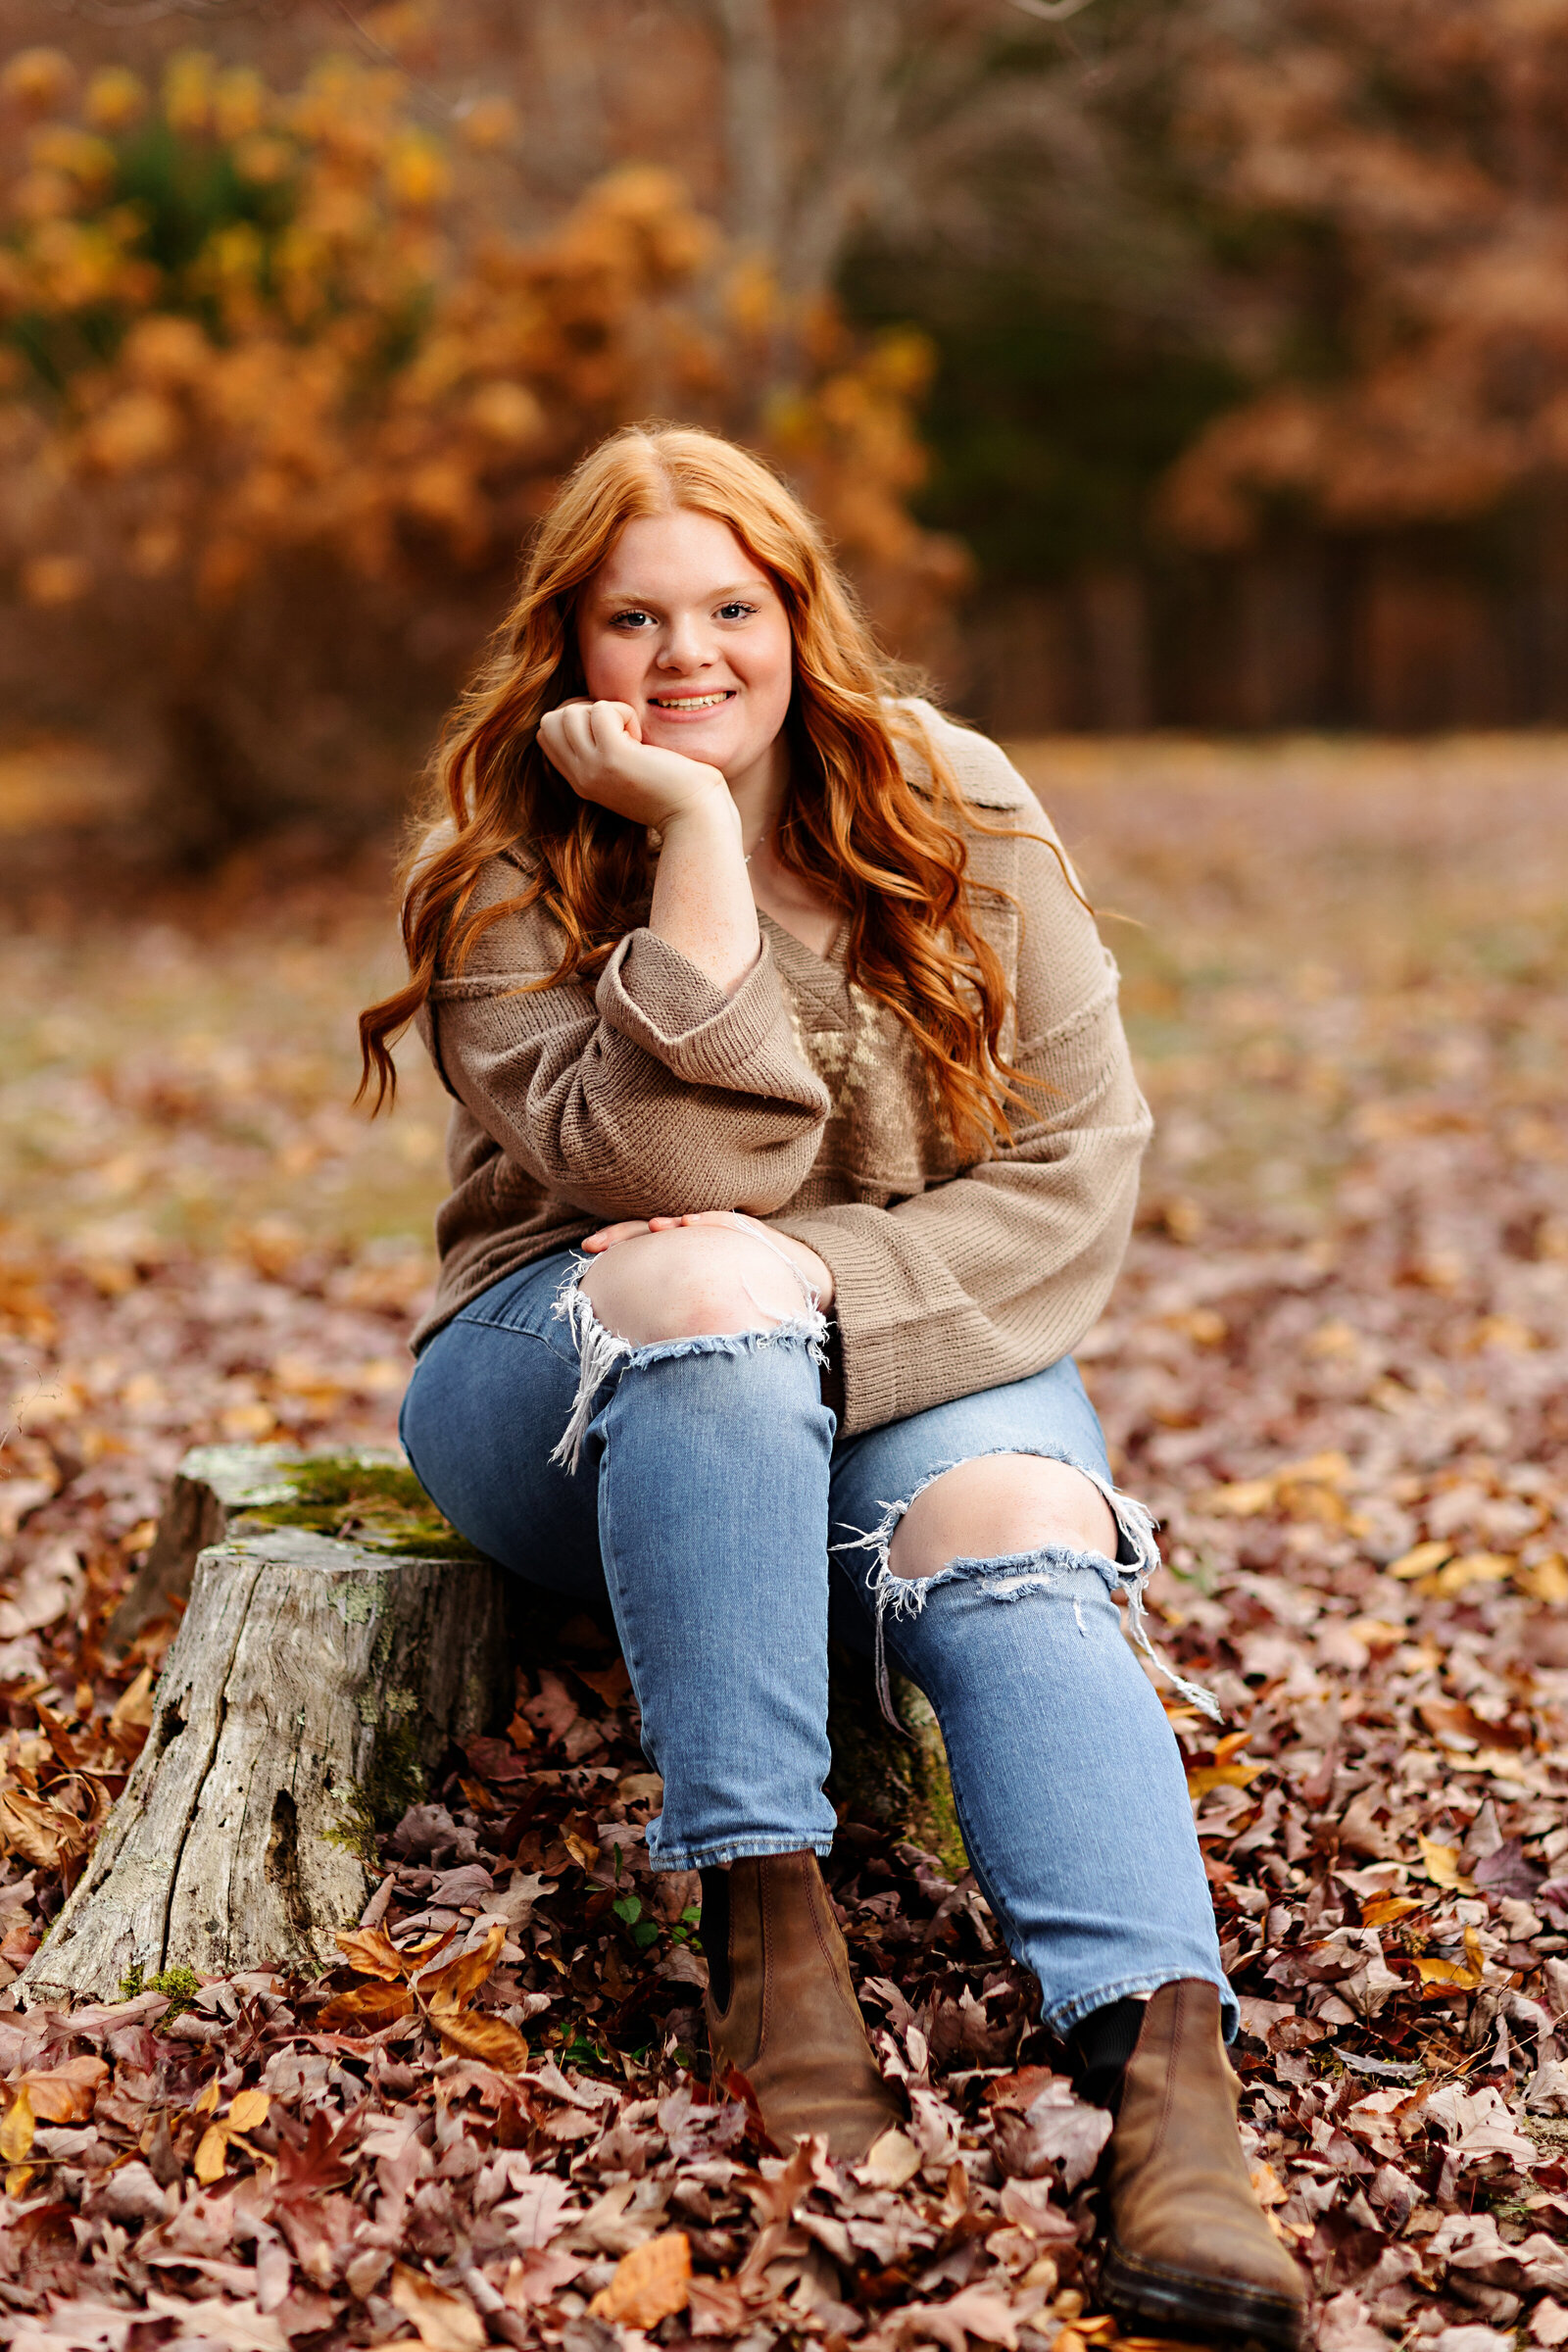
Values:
[(278, 392), (1389, 179)]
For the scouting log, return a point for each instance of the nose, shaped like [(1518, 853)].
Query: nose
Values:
[(684, 645)]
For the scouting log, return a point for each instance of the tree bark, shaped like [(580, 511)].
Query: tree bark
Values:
[(320, 1673), (312, 1686)]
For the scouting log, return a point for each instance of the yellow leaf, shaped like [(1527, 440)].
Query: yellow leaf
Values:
[(206, 2098), (134, 1710), (248, 2109), (1243, 1498), (19, 2180), (1383, 1910), (1205, 1776), (1442, 1866), (1547, 1580), (1420, 1562), (490, 2039), (1267, 2187), (1475, 1568), (212, 2154), (16, 2132), (447, 1988), (651, 2282), (1466, 1975), (445, 2323), (374, 1953), (365, 2008)]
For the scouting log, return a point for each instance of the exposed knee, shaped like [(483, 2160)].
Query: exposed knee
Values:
[(998, 1505), (689, 1283)]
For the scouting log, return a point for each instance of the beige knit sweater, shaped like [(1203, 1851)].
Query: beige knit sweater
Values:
[(800, 1101)]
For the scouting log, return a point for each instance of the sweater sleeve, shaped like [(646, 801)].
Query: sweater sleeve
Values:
[(652, 1093), (992, 1275)]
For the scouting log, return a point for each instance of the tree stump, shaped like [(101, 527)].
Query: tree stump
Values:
[(338, 1640), (314, 1682)]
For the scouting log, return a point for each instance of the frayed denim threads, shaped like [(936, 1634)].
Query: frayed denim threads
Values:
[(1012, 1573), (601, 1352)]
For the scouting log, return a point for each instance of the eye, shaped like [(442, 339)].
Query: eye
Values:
[(736, 610), (633, 618)]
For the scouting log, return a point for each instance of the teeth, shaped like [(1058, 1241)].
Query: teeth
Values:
[(689, 702)]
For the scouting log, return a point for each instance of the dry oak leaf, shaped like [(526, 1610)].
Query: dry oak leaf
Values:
[(39, 1832), (651, 2283), (64, 2095), (365, 2008), (976, 2310), (490, 2039), (1442, 1865), (444, 2322), (373, 1954), (894, 2160), (446, 1990), (134, 1710), (1465, 1974)]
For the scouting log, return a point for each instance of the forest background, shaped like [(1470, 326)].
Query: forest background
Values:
[(1186, 382), (1167, 361)]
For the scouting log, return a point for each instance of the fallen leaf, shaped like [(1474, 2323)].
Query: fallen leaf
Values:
[(442, 1990), (41, 1833), (64, 2095), (893, 2159), (650, 2282), (48, 1588), (443, 2321), (365, 2008), (373, 1954), (1465, 1974), (488, 2038), (1420, 1561), (1442, 1866), (1205, 1776), (16, 2132), (134, 1710), (211, 2155), (248, 2109)]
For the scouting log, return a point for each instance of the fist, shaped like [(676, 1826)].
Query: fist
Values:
[(599, 748)]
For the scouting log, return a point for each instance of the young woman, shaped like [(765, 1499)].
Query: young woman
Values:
[(794, 1145)]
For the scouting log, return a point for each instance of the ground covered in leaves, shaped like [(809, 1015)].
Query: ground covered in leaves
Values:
[(1338, 1368)]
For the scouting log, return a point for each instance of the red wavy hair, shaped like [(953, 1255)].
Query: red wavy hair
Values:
[(853, 823)]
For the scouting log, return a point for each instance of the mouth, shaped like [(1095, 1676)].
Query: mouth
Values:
[(691, 706)]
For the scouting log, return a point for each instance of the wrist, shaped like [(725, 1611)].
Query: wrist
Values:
[(710, 813)]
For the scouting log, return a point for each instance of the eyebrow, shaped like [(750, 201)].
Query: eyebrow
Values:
[(714, 596)]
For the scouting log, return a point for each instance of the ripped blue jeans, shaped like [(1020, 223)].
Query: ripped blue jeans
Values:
[(699, 1485)]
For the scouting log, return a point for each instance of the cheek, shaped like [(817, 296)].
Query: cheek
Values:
[(772, 676), (611, 666)]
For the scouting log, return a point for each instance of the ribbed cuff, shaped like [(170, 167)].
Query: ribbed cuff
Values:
[(656, 997)]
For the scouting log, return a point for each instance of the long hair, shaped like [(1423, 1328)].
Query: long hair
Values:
[(853, 825)]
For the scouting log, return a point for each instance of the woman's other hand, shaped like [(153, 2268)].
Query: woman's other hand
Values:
[(599, 748), (814, 1271)]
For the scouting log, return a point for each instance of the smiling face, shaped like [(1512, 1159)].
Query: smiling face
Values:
[(683, 624)]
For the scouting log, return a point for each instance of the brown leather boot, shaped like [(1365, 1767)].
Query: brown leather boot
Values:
[(791, 2023), (1188, 2251)]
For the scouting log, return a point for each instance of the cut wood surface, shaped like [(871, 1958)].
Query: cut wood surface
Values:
[(312, 1684)]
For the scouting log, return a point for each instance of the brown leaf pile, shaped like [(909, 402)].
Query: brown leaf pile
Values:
[(1337, 1366)]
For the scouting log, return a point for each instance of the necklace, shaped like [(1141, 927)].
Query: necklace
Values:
[(760, 842)]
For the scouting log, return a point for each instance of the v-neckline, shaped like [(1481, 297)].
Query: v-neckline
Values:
[(829, 963)]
